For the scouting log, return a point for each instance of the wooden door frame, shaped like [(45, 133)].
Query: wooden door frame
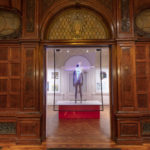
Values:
[(112, 78)]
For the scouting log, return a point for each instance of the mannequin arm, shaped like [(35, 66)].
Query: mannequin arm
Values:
[(82, 78)]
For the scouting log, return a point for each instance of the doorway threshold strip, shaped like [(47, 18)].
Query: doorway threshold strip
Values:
[(83, 149)]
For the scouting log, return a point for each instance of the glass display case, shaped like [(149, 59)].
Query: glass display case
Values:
[(75, 77)]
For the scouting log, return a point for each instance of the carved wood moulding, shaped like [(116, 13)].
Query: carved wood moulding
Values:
[(30, 15), (7, 128), (48, 3), (125, 16), (146, 128), (107, 3)]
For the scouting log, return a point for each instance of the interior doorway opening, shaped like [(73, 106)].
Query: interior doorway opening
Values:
[(60, 68)]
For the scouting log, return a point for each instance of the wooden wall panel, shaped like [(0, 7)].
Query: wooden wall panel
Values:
[(16, 4), (29, 128), (126, 77), (129, 131), (10, 77), (5, 3), (142, 76), (139, 5), (30, 78), (28, 131)]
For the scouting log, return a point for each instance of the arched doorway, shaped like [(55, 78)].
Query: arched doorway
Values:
[(82, 26)]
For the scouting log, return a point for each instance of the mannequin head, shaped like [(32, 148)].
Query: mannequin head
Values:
[(77, 65)]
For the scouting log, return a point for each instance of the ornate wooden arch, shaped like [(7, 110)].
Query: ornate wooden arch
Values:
[(55, 9), (63, 4)]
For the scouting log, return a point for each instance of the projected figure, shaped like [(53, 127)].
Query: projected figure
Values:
[(78, 81)]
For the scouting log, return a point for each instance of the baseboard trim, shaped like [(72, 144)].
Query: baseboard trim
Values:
[(129, 142), (28, 142)]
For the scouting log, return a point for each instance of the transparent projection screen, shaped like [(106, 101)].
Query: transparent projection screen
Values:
[(75, 77)]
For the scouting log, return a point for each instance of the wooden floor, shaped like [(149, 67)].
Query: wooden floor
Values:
[(76, 133)]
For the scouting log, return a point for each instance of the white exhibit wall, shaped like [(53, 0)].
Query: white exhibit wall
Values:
[(64, 88)]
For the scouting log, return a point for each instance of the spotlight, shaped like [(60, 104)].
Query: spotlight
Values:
[(87, 51), (68, 51), (98, 50), (57, 50)]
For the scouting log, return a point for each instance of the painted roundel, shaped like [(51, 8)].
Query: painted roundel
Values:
[(10, 24), (142, 21)]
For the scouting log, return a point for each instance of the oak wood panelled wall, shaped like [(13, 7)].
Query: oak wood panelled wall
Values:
[(126, 69), (22, 80)]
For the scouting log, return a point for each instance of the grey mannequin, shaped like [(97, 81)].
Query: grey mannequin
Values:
[(78, 81)]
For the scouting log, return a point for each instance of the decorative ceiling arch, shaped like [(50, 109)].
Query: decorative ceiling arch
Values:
[(77, 23)]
